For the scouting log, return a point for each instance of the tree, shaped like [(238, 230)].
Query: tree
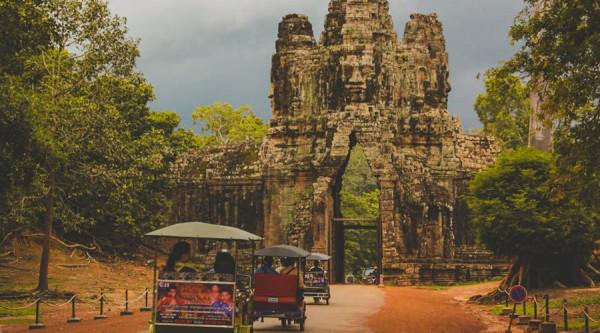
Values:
[(25, 29), (94, 159), (560, 48), (504, 108), (517, 214), (359, 198), (224, 124)]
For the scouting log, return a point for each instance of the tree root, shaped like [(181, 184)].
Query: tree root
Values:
[(70, 246)]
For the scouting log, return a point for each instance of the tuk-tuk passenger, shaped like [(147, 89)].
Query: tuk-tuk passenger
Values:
[(289, 268), (224, 263), (316, 267), (267, 266), (179, 259)]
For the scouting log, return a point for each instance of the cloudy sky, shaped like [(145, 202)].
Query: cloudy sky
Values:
[(196, 52)]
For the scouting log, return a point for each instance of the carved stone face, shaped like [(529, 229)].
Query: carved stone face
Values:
[(357, 73)]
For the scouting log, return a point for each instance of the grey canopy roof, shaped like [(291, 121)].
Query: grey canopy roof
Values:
[(318, 256), (204, 231), (283, 251)]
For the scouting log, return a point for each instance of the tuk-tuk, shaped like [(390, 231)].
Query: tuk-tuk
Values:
[(196, 298), (316, 281), (280, 295)]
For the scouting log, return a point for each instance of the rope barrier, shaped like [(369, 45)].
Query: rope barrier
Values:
[(63, 304), (21, 307), (590, 318), (134, 301)]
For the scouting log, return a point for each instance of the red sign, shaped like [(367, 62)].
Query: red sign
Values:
[(518, 294)]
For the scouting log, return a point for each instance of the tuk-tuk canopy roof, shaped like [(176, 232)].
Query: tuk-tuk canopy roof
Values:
[(283, 251), (318, 256), (203, 230)]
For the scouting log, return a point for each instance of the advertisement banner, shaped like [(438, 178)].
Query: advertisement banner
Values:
[(192, 303), (315, 280)]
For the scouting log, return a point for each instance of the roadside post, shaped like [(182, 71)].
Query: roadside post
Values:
[(101, 315), (547, 326), (126, 312), (38, 324), (535, 322), (74, 318), (518, 295), (145, 308)]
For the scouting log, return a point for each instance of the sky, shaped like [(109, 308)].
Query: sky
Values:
[(196, 52)]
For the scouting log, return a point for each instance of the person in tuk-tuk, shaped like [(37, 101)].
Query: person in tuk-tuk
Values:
[(179, 259), (288, 267), (224, 263), (267, 266), (316, 267)]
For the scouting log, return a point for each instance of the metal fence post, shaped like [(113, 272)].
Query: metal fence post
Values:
[(565, 315), (586, 320), (146, 308), (547, 302), (126, 312), (73, 318), (101, 315), (37, 324)]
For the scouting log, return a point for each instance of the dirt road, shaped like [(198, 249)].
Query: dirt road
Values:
[(412, 310), (353, 309)]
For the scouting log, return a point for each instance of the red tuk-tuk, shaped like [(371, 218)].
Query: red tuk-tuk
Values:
[(280, 295)]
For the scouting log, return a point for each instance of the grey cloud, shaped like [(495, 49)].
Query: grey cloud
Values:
[(199, 51)]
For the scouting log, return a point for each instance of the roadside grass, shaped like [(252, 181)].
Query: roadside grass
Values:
[(16, 316)]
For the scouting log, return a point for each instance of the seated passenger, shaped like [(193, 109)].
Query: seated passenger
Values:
[(224, 263), (316, 267), (267, 266), (179, 259), (289, 268)]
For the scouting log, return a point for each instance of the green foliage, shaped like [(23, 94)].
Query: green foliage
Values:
[(77, 137), (359, 199), (224, 124), (516, 214), (560, 51), (504, 108)]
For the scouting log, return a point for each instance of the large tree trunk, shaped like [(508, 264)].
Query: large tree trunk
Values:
[(48, 221)]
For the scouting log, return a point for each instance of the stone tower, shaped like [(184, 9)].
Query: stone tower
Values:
[(361, 84)]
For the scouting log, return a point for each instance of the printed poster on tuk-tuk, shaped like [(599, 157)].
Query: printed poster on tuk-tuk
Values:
[(315, 280), (192, 303)]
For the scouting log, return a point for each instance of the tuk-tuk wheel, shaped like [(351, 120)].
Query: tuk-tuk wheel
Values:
[(327, 301), (317, 300), (283, 323), (302, 325)]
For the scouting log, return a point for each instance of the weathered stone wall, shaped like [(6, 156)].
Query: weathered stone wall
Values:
[(221, 185), (359, 84)]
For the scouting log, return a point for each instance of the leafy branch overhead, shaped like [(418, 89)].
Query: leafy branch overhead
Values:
[(222, 124)]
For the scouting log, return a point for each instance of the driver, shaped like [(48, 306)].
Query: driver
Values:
[(267, 266)]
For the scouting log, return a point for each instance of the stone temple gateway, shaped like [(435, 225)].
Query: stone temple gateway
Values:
[(359, 84)]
